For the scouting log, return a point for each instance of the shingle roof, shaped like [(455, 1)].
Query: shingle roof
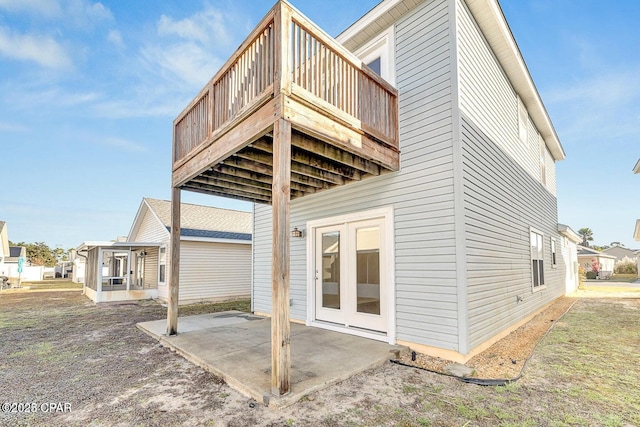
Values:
[(205, 221)]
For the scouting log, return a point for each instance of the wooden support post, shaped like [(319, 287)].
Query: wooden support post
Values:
[(174, 263), (280, 328)]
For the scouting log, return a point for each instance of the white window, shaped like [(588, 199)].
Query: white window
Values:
[(554, 259), (543, 161), (162, 265), (378, 54), (523, 122), (537, 259)]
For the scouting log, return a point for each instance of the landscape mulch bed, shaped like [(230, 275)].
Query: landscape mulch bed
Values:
[(505, 358)]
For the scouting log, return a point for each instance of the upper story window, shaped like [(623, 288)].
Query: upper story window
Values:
[(523, 122), (379, 55), (543, 161)]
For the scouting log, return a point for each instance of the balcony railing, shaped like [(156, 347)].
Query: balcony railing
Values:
[(288, 55)]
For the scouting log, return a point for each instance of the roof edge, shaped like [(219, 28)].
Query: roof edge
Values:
[(569, 233), (489, 16), (636, 168)]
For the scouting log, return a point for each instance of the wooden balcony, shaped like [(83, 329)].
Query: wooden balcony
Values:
[(343, 116)]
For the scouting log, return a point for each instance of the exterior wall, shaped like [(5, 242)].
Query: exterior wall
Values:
[(152, 230), (503, 194), (151, 269), (502, 202), (214, 271), (421, 194), (208, 271), (489, 100), (570, 255)]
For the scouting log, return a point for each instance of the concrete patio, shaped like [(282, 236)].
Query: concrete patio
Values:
[(237, 347)]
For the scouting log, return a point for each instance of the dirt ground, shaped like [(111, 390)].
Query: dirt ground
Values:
[(70, 362)]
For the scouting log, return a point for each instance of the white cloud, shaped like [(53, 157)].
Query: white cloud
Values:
[(78, 13), (597, 108), (114, 37), (203, 27), (123, 144), (189, 50), (43, 50), (45, 8), (12, 127)]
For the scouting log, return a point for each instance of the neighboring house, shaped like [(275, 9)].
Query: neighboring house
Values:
[(420, 210), (636, 168), (215, 250), (215, 257), (570, 240), (621, 252), (4, 248), (588, 256), (636, 235)]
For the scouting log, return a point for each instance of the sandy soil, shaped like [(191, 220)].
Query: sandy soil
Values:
[(58, 348), (506, 358)]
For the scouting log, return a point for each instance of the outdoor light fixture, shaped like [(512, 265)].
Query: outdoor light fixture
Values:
[(296, 233)]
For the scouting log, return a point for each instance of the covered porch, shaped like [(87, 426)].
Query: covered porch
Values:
[(290, 114), (120, 271)]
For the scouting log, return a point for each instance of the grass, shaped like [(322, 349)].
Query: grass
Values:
[(52, 284), (203, 308), (630, 278)]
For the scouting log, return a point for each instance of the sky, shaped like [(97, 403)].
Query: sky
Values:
[(89, 91)]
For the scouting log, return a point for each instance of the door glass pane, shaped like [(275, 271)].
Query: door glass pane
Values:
[(368, 270), (331, 270)]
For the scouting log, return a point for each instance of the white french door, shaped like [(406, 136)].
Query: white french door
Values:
[(350, 274)]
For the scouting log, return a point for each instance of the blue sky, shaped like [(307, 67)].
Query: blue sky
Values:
[(89, 91)]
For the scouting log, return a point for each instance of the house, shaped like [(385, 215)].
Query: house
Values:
[(403, 176), (215, 250), (621, 252), (215, 255), (587, 257), (569, 247), (4, 248)]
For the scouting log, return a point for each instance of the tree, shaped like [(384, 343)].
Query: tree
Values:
[(587, 236), (39, 253)]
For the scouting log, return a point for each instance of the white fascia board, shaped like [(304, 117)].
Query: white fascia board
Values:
[(568, 232), (495, 28), (137, 220), (366, 20)]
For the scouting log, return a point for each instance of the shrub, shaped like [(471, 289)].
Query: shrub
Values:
[(591, 275), (626, 266), (582, 276)]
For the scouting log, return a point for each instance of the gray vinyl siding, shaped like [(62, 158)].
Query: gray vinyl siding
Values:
[(151, 269), (214, 271), (502, 201), (487, 96), (151, 230), (421, 193)]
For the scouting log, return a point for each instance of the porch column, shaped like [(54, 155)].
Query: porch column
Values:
[(280, 328), (174, 264)]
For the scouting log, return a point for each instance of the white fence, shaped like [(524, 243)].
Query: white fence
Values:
[(29, 273)]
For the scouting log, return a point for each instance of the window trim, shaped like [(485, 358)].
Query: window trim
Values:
[(554, 253), (542, 285), (160, 264), (523, 122), (382, 46)]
